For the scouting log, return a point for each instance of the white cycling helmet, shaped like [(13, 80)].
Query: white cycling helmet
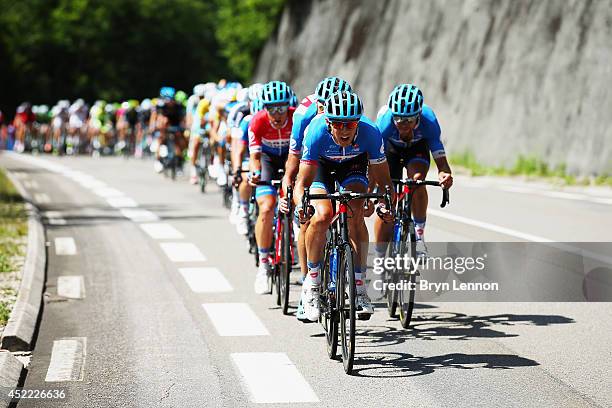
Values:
[(145, 104), (242, 95), (255, 91), (199, 90)]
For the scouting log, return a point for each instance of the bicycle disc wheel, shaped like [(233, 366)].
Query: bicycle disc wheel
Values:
[(285, 265), (406, 294), (346, 306), (329, 313)]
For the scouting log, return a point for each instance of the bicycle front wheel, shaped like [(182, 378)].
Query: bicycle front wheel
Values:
[(329, 312), (347, 306), (407, 290), (285, 264)]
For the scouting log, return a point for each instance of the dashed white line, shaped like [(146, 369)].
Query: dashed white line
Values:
[(121, 202), (564, 195), (235, 319), (205, 280), (71, 287), (42, 198), (138, 215), (67, 360), (162, 231), (602, 200), (54, 218), (107, 192), (272, 378), (65, 246), (20, 175), (182, 252)]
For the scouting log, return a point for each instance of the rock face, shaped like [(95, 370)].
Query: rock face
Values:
[(505, 77)]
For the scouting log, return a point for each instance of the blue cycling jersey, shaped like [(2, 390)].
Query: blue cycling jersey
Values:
[(428, 129), (319, 143), (302, 117), (244, 128)]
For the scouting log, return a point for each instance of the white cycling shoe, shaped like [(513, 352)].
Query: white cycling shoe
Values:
[(311, 302), (242, 227), (221, 177), (364, 307), (261, 279)]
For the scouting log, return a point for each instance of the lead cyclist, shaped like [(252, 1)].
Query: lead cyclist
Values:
[(411, 131)]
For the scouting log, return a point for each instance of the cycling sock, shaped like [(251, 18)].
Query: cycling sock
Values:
[(264, 256), (360, 273), (419, 227), (314, 273), (380, 249), (244, 204)]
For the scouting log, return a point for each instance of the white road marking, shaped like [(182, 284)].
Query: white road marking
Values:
[(107, 192), (235, 319), (600, 200), (67, 360), (54, 218), (95, 184), (272, 378), (182, 252), (65, 246), (121, 202), (162, 231), (486, 225), (72, 287), (564, 195), (205, 280), (42, 198), (524, 236), (20, 175), (27, 184), (521, 190), (138, 215)]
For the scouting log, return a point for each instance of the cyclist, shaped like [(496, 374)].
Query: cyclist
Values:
[(310, 106), (343, 147), (143, 141), (171, 119), (23, 123), (241, 156), (269, 133), (411, 131), (193, 123), (234, 117)]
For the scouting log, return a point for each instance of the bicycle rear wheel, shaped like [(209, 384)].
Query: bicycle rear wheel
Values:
[(329, 313), (406, 294), (346, 306), (285, 263)]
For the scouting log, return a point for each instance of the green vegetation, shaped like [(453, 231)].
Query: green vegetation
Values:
[(244, 26), (13, 229), (13, 224), (120, 49), (525, 166)]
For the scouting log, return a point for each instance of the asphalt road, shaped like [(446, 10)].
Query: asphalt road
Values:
[(145, 330)]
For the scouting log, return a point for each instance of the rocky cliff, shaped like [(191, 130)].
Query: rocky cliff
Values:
[(505, 77)]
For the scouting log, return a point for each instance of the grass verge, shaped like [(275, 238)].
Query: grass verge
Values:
[(527, 166), (13, 232)]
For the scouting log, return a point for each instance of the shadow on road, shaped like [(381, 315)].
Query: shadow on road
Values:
[(396, 364), (453, 326)]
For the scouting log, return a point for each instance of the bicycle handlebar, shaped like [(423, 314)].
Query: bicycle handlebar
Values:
[(418, 183)]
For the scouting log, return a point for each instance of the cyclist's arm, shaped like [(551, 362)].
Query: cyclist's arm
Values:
[(291, 169), (380, 176), (305, 177)]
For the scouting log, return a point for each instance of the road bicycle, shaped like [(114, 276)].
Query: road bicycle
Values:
[(338, 275), (403, 244)]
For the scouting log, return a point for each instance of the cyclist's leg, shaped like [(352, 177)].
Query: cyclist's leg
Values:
[(417, 167), (383, 231)]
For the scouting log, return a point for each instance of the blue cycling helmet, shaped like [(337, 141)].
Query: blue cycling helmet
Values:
[(343, 106), (330, 85), (256, 106), (167, 92), (276, 92), (406, 100)]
